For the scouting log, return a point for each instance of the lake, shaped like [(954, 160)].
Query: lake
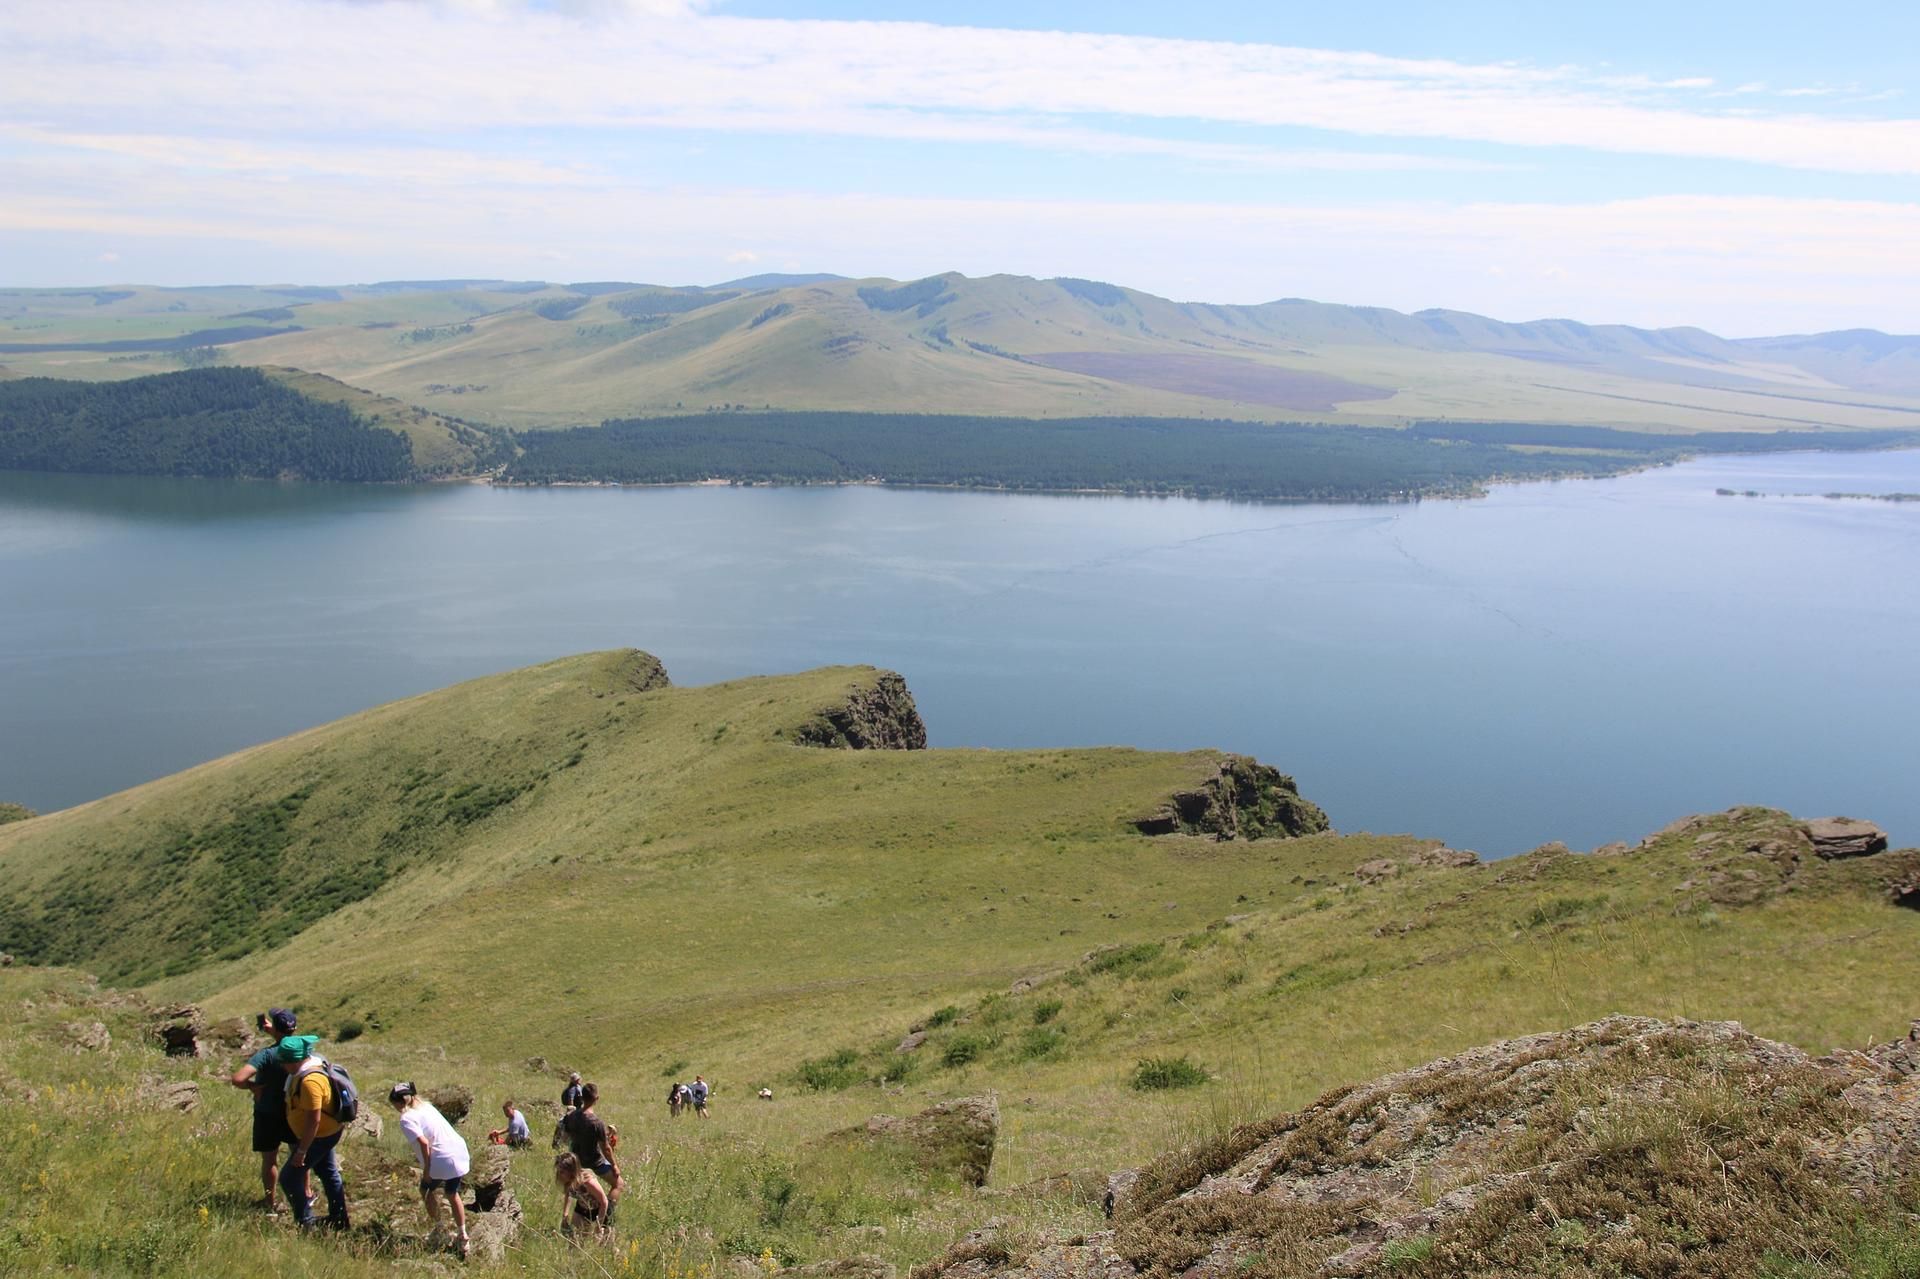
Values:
[(1581, 661)]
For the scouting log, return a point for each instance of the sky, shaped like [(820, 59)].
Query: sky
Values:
[(1749, 168)]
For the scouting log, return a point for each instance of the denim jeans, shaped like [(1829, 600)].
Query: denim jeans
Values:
[(321, 1160)]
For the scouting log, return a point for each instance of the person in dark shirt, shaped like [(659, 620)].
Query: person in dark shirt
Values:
[(592, 1144), (266, 1079), (570, 1095)]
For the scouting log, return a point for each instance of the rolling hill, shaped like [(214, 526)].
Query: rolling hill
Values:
[(772, 882), (538, 355)]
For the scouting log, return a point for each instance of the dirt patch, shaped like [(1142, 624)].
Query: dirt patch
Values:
[(1218, 377)]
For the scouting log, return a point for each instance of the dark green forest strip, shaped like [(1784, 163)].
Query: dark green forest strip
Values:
[(1560, 435), (222, 423), (1129, 455)]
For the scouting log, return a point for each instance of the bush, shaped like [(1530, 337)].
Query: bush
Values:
[(1151, 1074), (1123, 961), (1040, 1042), (832, 1073), (944, 1016), (1046, 1010), (963, 1049), (350, 1030)]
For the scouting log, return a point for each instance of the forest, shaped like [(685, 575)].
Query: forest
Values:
[(230, 423), (1131, 455), (1568, 436)]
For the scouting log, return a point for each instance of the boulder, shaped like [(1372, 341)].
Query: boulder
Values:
[(182, 1095), (488, 1179), (1445, 858), (229, 1034), (88, 1036), (1836, 837), (366, 1125), (180, 1031), (912, 1042), (455, 1101), (1380, 868), (954, 1138), (493, 1229)]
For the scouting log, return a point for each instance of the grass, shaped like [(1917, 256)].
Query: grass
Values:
[(682, 901)]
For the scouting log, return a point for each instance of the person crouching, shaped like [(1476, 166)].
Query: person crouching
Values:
[(584, 1201), (444, 1160)]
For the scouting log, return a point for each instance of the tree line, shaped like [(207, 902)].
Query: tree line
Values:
[(1134, 455), (234, 423)]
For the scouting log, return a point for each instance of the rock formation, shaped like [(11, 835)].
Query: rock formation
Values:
[(879, 717), (454, 1101), (1845, 837), (1243, 799), (1627, 1145), (180, 1030), (954, 1138)]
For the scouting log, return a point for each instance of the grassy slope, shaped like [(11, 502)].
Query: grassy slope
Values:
[(680, 872), (694, 894), (830, 350), (441, 446)]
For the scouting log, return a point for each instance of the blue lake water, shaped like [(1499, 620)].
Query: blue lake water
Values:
[(1581, 661)]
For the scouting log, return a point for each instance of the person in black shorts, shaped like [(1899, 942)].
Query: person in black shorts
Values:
[(592, 1146), (266, 1079)]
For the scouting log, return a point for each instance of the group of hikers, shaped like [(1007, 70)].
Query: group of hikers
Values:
[(303, 1102)]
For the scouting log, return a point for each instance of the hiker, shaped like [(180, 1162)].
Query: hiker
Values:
[(444, 1160), (570, 1095), (311, 1114), (263, 1077), (582, 1197), (590, 1142), (700, 1091), (673, 1100), (516, 1133)]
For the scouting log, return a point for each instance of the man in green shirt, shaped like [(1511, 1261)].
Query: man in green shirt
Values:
[(263, 1077)]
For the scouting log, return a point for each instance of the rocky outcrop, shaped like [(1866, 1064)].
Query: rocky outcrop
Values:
[(180, 1031), (455, 1101), (1835, 837), (1628, 1145), (636, 672), (1242, 799), (954, 1138), (88, 1036), (881, 716)]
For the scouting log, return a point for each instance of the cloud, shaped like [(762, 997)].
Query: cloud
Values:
[(741, 257), (108, 256), (306, 68)]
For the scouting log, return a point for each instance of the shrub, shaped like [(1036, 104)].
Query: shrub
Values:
[(831, 1073), (675, 1068), (944, 1016), (1040, 1042), (350, 1030), (1046, 1010), (1151, 1074), (963, 1049), (1124, 961)]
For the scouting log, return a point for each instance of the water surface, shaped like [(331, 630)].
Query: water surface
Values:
[(1580, 661)]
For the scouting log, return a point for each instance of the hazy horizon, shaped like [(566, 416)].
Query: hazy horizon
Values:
[(1724, 168)]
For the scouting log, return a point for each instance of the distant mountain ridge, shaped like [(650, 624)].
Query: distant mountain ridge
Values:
[(534, 354)]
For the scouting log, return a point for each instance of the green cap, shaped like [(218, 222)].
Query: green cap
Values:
[(297, 1047)]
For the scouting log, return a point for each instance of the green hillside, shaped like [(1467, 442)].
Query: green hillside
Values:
[(767, 881), (541, 355)]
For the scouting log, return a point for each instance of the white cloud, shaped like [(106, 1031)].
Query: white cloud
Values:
[(313, 68), (108, 256), (741, 257)]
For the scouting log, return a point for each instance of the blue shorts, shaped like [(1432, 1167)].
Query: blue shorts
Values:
[(449, 1184)]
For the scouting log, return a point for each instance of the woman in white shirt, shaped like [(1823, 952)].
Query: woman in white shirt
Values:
[(444, 1160)]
